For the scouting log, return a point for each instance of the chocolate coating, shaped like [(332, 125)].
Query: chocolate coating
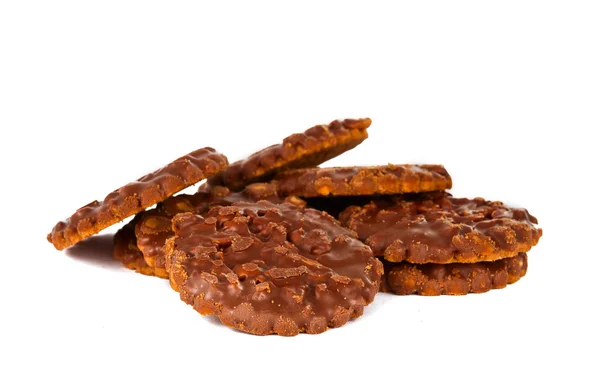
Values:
[(137, 196), (442, 229), (434, 279), (301, 150), (153, 227), (265, 268), (358, 181)]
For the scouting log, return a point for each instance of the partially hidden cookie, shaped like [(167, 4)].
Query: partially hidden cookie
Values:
[(301, 150), (439, 228), (153, 227), (434, 279), (125, 250), (137, 196), (264, 268), (363, 181)]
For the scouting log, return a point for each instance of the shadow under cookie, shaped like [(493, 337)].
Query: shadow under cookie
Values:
[(96, 250)]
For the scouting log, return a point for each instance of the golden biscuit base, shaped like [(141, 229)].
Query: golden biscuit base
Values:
[(452, 279), (301, 150), (137, 196), (438, 228), (363, 181)]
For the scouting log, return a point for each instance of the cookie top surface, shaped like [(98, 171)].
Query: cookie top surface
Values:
[(434, 279), (137, 196), (154, 227), (439, 228), (301, 150), (265, 268), (359, 181)]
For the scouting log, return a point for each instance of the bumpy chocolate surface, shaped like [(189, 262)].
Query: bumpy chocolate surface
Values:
[(137, 196), (265, 268), (153, 227), (442, 229), (126, 251), (301, 150), (434, 279), (358, 181)]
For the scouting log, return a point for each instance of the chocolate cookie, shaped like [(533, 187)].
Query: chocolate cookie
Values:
[(301, 150), (362, 181), (264, 268), (137, 196), (442, 229), (433, 279), (126, 251), (153, 227)]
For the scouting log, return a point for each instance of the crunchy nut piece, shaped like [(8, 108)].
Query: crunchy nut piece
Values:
[(137, 196), (302, 150), (301, 271), (287, 272), (341, 279), (438, 228), (363, 181), (453, 279), (264, 286), (239, 244)]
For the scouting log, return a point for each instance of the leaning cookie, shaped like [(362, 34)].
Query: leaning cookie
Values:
[(438, 228), (264, 268), (433, 279), (153, 227), (301, 150), (137, 196), (363, 181)]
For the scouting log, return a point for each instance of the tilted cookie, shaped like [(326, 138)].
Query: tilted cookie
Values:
[(264, 268), (301, 150), (137, 196)]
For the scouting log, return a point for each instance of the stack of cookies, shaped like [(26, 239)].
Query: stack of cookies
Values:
[(272, 244)]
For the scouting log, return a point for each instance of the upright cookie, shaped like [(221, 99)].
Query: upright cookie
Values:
[(301, 150), (442, 229), (153, 227), (264, 268), (364, 181), (137, 196), (126, 250), (434, 279)]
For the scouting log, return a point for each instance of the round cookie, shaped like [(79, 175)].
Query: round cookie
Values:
[(364, 181), (154, 227), (434, 279), (301, 150), (264, 268), (137, 196), (438, 228)]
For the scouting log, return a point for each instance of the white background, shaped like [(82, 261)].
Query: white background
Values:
[(96, 94)]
